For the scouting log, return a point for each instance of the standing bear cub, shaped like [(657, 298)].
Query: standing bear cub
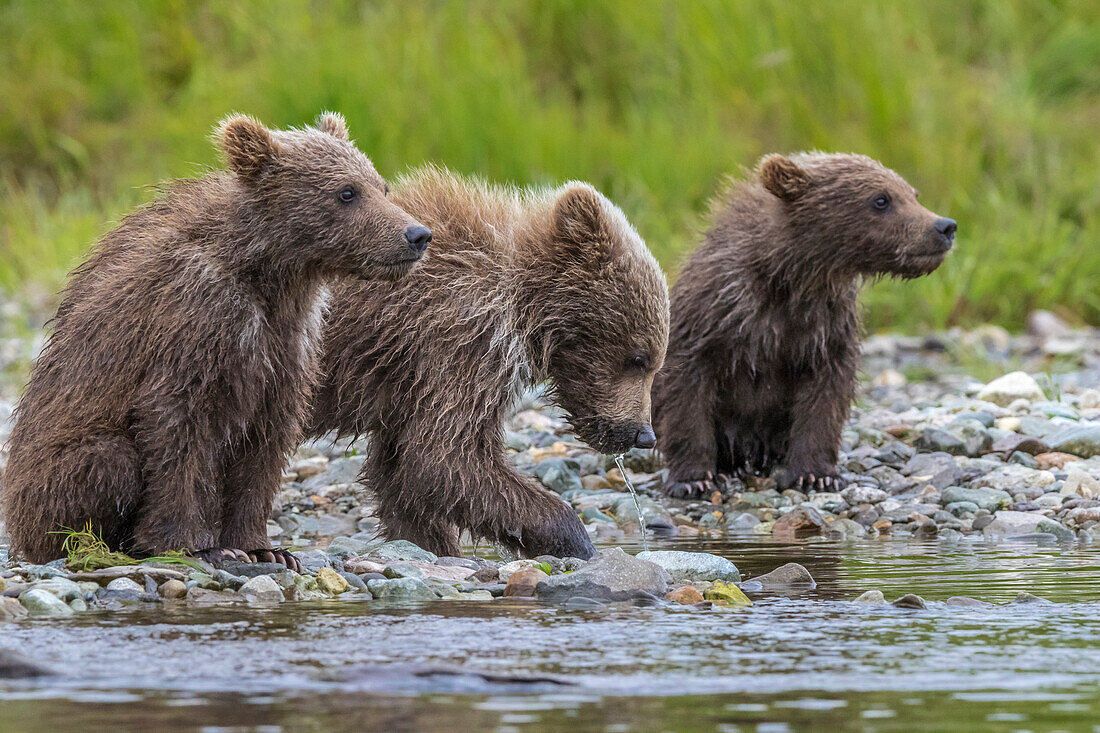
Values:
[(522, 287), (764, 344), (177, 375)]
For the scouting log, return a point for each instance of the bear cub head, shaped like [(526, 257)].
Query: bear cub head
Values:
[(605, 301), (321, 196), (857, 214)]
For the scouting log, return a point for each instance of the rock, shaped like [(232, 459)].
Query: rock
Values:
[(984, 498), (728, 594), (43, 604), (474, 595), (1025, 597), (427, 570), (264, 588), (691, 566), (1089, 400), (612, 575), (137, 573), (522, 583), (11, 609), (398, 550), (1049, 526), (933, 439), (1022, 443), (63, 588), (171, 589), (313, 560), (791, 575), (123, 585), (1054, 460), (889, 378), (1044, 325), (1013, 479), (344, 547), (741, 523), (1080, 483), (251, 569), (582, 603), (966, 602), (1014, 386), (858, 494), (909, 601), (871, 597), (361, 565), (505, 571), (401, 589), (559, 474), (686, 595), (1012, 524), (331, 582), (487, 574), (14, 666), (801, 521), (939, 469), (1082, 440)]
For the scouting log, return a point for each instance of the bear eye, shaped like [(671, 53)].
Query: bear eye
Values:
[(347, 194), (881, 202), (386, 189), (639, 362)]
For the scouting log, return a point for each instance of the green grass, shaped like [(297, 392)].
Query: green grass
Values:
[(990, 108)]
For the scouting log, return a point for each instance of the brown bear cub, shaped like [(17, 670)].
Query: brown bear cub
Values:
[(764, 346), (521, 287), (177, 375)]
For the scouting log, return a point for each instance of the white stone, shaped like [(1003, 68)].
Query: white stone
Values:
[(1079, 483), (262, 588), (507, 569), (1011, 387), (125, 584)]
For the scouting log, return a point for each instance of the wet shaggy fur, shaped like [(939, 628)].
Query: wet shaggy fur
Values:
[(177, 374), (764, 345), (521, 287)]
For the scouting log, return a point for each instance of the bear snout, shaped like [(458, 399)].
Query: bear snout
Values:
[(418, 238), (946, 228), (645, 437)]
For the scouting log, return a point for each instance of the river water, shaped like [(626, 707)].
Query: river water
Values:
[(811, 661)]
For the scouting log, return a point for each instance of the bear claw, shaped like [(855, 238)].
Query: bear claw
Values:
[(276, 555), (218, 555)]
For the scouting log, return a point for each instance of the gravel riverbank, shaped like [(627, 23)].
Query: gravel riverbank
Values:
[(959, 437)]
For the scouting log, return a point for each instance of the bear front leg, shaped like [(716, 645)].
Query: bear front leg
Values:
[(818, 414), (686, 434), (428, 500), (248, 494)]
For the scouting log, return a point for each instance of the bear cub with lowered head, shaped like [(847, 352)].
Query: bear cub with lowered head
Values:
[(764, 345), (177, 375), (522, 286)]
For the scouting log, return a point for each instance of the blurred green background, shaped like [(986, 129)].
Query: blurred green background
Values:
[(991, 109)]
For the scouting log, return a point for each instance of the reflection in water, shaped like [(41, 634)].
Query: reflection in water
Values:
[(811, 658)]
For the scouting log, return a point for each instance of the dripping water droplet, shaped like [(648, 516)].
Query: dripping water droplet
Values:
[(637, 504)]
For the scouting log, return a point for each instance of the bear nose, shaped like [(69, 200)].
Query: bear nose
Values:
[(946, 227), (645, 438), (418, 237)]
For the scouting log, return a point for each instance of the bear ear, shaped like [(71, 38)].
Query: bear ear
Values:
[(247, 144), (783, 178), (333, 123), (581, 222)]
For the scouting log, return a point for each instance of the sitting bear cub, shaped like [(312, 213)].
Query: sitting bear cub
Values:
[(175, 381), (764, 341)]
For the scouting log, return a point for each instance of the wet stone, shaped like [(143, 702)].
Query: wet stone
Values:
[(690, 566), (871, 597), (611, 575), (909, 601)]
